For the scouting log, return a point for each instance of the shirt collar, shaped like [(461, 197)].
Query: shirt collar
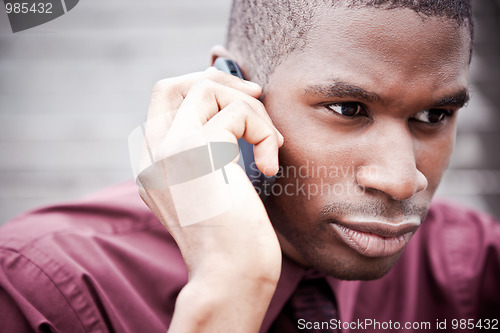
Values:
[(291, 274)]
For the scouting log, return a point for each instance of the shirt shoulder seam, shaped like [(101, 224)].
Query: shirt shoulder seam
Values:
[(49, 278)]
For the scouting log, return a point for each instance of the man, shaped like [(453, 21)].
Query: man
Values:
[(363, 95)]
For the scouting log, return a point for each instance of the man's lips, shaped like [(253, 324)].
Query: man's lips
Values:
[(375, 239)]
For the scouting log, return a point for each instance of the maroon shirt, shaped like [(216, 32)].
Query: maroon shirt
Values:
[(105, 264)]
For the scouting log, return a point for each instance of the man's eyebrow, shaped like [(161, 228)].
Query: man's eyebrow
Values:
[(456, 100), (339, 89)]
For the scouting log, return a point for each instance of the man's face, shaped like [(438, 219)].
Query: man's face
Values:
[(368, 112)]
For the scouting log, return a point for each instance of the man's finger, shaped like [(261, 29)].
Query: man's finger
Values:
[(239, 120), (204, 101), (168, 94)]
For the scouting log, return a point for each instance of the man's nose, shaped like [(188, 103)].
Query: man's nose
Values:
[(390, 164)]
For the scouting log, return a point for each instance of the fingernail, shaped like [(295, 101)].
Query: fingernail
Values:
[(280, 135)]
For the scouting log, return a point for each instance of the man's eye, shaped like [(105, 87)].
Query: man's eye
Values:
[(432, 116), (349, 109)]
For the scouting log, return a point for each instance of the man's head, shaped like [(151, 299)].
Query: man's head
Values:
[(365, 94), (263, 32)]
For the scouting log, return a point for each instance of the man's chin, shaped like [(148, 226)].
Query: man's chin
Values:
[(355, 266)]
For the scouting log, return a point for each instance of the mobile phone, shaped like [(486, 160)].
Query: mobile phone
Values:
[(261, 182)]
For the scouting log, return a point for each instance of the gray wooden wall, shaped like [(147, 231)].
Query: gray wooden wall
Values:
[(474, 174), (71, 91)]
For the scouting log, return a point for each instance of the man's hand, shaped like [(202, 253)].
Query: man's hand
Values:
[(233, 258)]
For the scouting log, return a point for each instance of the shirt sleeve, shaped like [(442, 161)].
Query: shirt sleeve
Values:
[(11, 316), (489, 291), (468, 242), (29, 301)]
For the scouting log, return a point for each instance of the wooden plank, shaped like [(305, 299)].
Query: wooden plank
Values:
[(92, 76), (68, 126), (476, 151), (63, 156), (61, 184), (131, 105)]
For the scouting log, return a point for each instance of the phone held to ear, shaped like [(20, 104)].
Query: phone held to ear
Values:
[(261, 182)]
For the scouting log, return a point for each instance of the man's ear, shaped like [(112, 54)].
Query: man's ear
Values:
[(220, 51)]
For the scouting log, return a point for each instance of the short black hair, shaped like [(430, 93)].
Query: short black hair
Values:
[(263, 31)]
